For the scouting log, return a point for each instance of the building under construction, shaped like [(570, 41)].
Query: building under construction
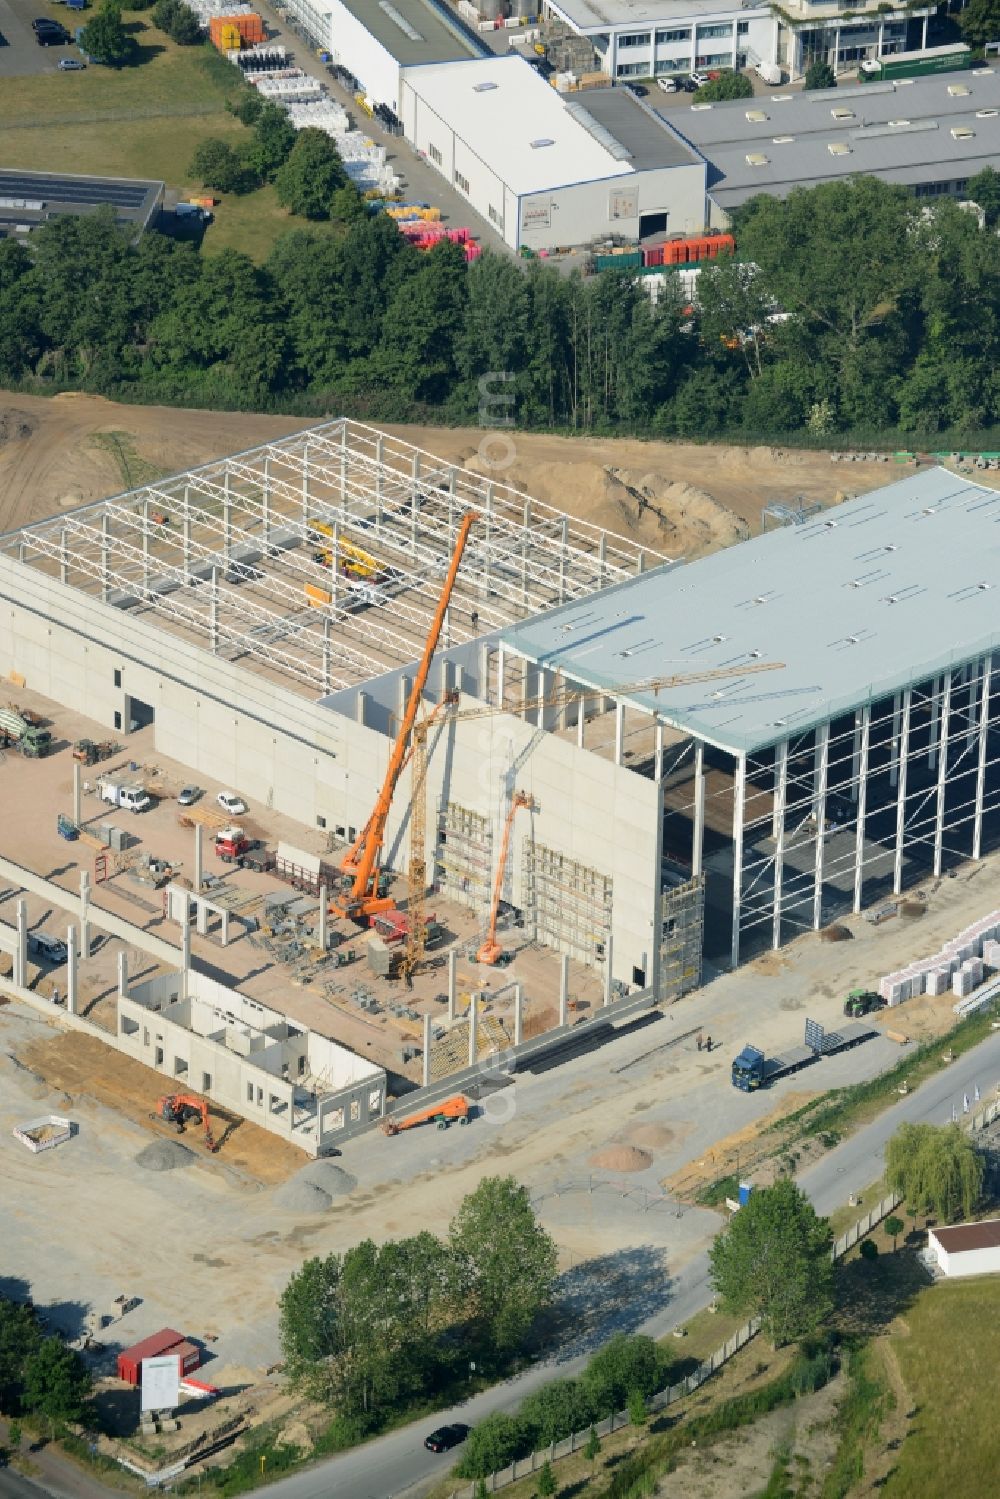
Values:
[(643, 763)]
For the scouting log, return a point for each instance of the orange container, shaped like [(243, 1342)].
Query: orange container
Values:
[(249, 29)]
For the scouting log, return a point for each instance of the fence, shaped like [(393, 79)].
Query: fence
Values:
[(524, 1466)]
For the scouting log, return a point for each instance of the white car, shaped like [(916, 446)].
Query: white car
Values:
[(699, 79), (231, 804), (668, 85)]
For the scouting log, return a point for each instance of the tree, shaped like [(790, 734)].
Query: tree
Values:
[(773, 1262), (347, 206), (505, 1261), (56, 1382), (728, 85), (105, 38), (310, 176), (637, 1412), (819, 74), (19, 1338), (936, 1168), (274, 136), (556, 1410), (218, 166), (309, 1326), (492, 1445), (894, 1227), (984, 189), (546, 1481), (868, 1249), (178, 21), (593, 1449), (625, 1364), (980, 22)]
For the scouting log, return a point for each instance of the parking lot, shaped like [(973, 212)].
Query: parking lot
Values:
[(20, 54)]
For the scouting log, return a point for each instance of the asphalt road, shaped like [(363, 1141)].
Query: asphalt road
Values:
[(19, 52), (398, 1462)]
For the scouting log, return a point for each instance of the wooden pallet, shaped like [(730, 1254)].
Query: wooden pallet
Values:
[(208, 817)]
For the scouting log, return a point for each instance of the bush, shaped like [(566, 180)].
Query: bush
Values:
[(625, 1365), (728, 85), (178, 21), (493, 1445), (218, 166), (868, 1249), (557, 1410), (819, 74)]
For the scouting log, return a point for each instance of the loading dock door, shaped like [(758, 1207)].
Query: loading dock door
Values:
[(652, 223), (138, 715)]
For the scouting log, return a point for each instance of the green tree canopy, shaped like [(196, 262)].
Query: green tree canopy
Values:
[(625, 1364), (309, 1326), (178, 21), (728, 85), (980, 22), (505, 1261), (19, 1339), (984, 189), (56, 1382), (773, 1261), (274, 137), (492, 1445), (819, 74), (310, 175), (105, 39), (216, 164), (936, 1168)]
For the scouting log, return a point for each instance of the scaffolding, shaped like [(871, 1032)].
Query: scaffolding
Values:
[(567, 905), (463, 860), (255, 556), (682, 941)]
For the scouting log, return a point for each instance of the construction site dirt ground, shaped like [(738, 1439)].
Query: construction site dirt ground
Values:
[(209, 1247), (682, 499), (327, 1003)]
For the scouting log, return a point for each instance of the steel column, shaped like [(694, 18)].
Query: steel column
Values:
[(904, 757), (942, 775), (984, 729), (819, 813), (865, 714), (778, 824), (698, 837), (739, 809)]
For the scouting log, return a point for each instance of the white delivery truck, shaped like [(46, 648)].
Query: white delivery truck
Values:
[(130, 798)]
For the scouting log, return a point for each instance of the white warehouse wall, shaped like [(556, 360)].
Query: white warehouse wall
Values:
[(356, 49), (590, 210)]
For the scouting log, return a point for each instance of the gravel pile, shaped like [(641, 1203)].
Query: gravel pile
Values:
[(622, 1158), (298, 1196), (164, 1155), (331, 1178), (649, 1135)]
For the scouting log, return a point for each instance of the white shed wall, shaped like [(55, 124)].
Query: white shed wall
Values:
[(968, 1261)]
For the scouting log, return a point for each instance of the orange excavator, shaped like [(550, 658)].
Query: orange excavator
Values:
[(360, 898), (491, 951), (441, 1114), (179, 1108)]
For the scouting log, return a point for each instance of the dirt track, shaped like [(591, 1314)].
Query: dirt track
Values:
[(680, 498)]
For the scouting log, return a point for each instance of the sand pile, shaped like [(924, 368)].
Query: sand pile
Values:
[(649, 1135), (164, 1155), (298, 1196), (619, 1157), (329, 1177)]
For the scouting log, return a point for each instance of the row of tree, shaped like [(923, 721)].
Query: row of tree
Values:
[(850, 309), (368, 1332)]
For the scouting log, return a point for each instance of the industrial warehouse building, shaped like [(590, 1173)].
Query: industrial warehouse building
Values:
[(548, 170), (831, 738), (378, 42), (29, 199), (929, 134)]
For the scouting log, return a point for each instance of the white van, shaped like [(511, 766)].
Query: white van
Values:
[(768, 71)]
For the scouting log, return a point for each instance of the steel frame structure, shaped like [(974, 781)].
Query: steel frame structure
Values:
[(230, 564)]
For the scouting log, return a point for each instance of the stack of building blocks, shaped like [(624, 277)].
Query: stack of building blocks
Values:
[(960, 965)]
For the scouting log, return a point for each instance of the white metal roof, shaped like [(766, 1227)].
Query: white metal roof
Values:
[(856, 603), (516, 123), (598, 15)]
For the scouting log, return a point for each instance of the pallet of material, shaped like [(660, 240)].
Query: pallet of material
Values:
[(207, 816)]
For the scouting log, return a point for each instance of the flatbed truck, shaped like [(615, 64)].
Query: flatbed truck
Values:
[(752, 1069)]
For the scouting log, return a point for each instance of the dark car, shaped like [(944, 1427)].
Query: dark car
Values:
[(446, 1437), (639, 88)]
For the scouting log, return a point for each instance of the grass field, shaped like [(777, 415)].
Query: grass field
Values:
[(945, 1350), (141, 121)]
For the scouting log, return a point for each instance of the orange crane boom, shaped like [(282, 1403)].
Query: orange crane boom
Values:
[(441, 1113), (361, 863), (491, 949)]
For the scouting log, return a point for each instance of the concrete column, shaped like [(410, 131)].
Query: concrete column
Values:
[(542, 689), (904, 757), (923, 39), (324, 917), (819, 812), (426, 1069), (698, 838), (739, 807), (452, 983), (581, 721), (185, 945), (619, 733), (563, 988), (122, 975), (224, 934), (897, 708), (501, 673), (404, 686), (20, 969), (658, 752), (84, 915), (201, 918), (972, 678), (77, 790), (473, 1028), (199, 875), (942, 781), (856, 755), (778, 832), (608, 953), (214, 612), (984, 728), (518, 1014), (359, 710), (935, 723), (861, 798), (71, 970)]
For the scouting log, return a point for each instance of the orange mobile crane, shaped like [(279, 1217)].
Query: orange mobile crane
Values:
[(491, 951), (360, 898)]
